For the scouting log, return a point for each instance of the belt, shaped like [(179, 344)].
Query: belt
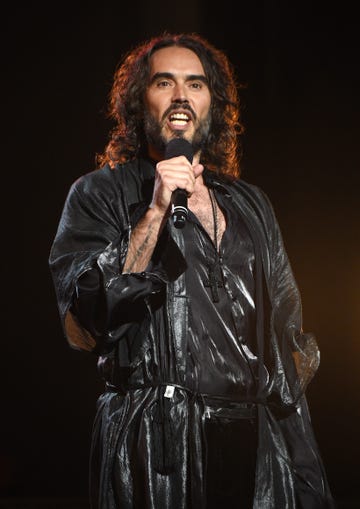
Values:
[(220, 408), (214, 406)]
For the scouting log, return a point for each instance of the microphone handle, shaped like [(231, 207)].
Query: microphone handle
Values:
[(179, 208), (177, 147)]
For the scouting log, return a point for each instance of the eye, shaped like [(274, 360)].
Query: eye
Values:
[(163, 83), (196, 85)]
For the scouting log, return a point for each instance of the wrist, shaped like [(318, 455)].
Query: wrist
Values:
[(156, 213)]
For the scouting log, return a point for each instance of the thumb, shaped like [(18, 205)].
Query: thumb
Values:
[(198, 169)]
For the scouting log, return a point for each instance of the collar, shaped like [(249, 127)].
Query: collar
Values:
[(216, 181)]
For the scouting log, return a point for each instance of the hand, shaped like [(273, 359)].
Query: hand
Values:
[(172, 174)]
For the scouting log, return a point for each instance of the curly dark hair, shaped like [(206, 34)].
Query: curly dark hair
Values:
[(222, 151)]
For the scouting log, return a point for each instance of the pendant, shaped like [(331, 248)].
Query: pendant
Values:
[(212, 282)]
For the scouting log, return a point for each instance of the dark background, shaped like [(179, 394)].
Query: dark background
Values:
[(301, 110)]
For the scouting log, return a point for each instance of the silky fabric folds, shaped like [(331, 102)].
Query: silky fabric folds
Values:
[(138, 352), (221, 334), (221, 365)]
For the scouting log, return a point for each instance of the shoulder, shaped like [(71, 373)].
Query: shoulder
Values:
[(111, 191), (252, 189), (241, 190), (254, 194), (90, 180), (258, 204), (125, 178)]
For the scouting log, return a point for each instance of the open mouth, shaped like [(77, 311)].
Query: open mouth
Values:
[(179, 119)]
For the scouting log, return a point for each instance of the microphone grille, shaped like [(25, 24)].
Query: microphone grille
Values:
[(179, 147)]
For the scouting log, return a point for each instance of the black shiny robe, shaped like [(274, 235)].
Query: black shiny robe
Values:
[(139, 329), (221, 319)]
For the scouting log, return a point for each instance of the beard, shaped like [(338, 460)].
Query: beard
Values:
[(154, 136)]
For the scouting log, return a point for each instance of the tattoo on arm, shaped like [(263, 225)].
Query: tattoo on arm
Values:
[(139, 252), (143, 241)]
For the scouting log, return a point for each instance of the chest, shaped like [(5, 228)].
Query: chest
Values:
[(210, 215)]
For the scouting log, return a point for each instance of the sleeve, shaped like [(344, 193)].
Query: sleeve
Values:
[(97, 303), (295, 353)]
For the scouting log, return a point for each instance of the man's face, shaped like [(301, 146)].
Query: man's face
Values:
[(177, 99)]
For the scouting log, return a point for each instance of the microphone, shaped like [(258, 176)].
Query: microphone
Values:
[(179, 147)]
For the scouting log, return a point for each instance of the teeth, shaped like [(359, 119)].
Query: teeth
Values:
[(179, 116)]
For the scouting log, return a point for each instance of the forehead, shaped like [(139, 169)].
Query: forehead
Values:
[(176, 60)]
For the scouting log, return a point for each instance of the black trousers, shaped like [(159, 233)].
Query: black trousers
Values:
[(231, 461)]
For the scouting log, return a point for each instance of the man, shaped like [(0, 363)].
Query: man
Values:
[(196, 322)]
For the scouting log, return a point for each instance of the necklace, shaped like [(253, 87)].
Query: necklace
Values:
[(214, 279), (215, 218)]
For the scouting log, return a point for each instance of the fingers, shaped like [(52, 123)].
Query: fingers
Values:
[(172, 174), (176, 173)]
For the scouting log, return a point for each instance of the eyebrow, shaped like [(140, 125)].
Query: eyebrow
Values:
[(169, 75)]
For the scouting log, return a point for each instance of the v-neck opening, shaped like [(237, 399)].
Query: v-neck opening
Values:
[(217, 249)]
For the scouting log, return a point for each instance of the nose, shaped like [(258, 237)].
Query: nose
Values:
[(179, 93)]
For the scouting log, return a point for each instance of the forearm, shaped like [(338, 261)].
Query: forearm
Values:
[(143, 241)]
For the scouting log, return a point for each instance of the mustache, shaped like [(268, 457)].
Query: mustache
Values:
[(177, 106)]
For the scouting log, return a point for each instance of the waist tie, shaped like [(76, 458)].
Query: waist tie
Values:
[(220, 408), (213, 405), (166, 435)]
